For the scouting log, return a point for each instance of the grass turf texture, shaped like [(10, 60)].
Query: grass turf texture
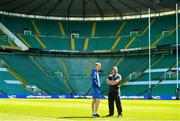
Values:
[(79, 109)]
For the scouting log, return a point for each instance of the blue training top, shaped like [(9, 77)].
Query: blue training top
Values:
[(95, 79)]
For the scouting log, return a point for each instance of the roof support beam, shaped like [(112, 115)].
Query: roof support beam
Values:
[(144, 5), (84, 8), (116, 10), (99, 9), (159, 4), (128, 6), (54, 7), (166, 6), (69, 8), (39, 6), (7, 2), (22, 5)]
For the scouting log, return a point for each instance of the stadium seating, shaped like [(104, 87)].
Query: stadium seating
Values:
[(32, 73), (9, 84), (63, 75), (58, 34), (5, 41), (71, 75)]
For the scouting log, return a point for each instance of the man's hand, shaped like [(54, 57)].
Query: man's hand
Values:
[(111, 82), (108, 82)]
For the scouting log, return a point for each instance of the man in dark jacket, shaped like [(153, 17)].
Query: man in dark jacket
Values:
[(114, 92)]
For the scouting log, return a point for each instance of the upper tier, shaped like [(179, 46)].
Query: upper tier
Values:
[(93, 35)]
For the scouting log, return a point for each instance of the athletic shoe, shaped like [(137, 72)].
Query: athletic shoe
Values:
[(119, 116), (109, 115), (95, 115)]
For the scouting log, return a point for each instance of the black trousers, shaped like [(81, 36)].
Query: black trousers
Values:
[(114, 97)]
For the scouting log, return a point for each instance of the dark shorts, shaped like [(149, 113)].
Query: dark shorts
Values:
[(95, 93)]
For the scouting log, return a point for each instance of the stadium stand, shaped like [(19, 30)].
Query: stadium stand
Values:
[(8, 81), (32, 74), (64, 75), (115, 35), (6, 42)]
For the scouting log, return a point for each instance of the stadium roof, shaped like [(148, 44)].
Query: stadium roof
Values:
[(86, 8)]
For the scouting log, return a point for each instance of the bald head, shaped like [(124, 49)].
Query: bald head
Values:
[(115, 70)]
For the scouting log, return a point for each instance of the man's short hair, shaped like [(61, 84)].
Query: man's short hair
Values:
[(97, 63)]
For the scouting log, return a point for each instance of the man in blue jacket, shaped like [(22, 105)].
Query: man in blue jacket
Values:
[(95, 89)]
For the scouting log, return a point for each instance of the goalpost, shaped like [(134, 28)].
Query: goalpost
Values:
[(177, 56), (149, 38)]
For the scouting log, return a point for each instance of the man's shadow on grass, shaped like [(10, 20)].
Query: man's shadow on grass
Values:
[(63, 117), (68, 117)]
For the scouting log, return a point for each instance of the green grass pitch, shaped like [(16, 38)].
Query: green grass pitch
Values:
[(79, 109)]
